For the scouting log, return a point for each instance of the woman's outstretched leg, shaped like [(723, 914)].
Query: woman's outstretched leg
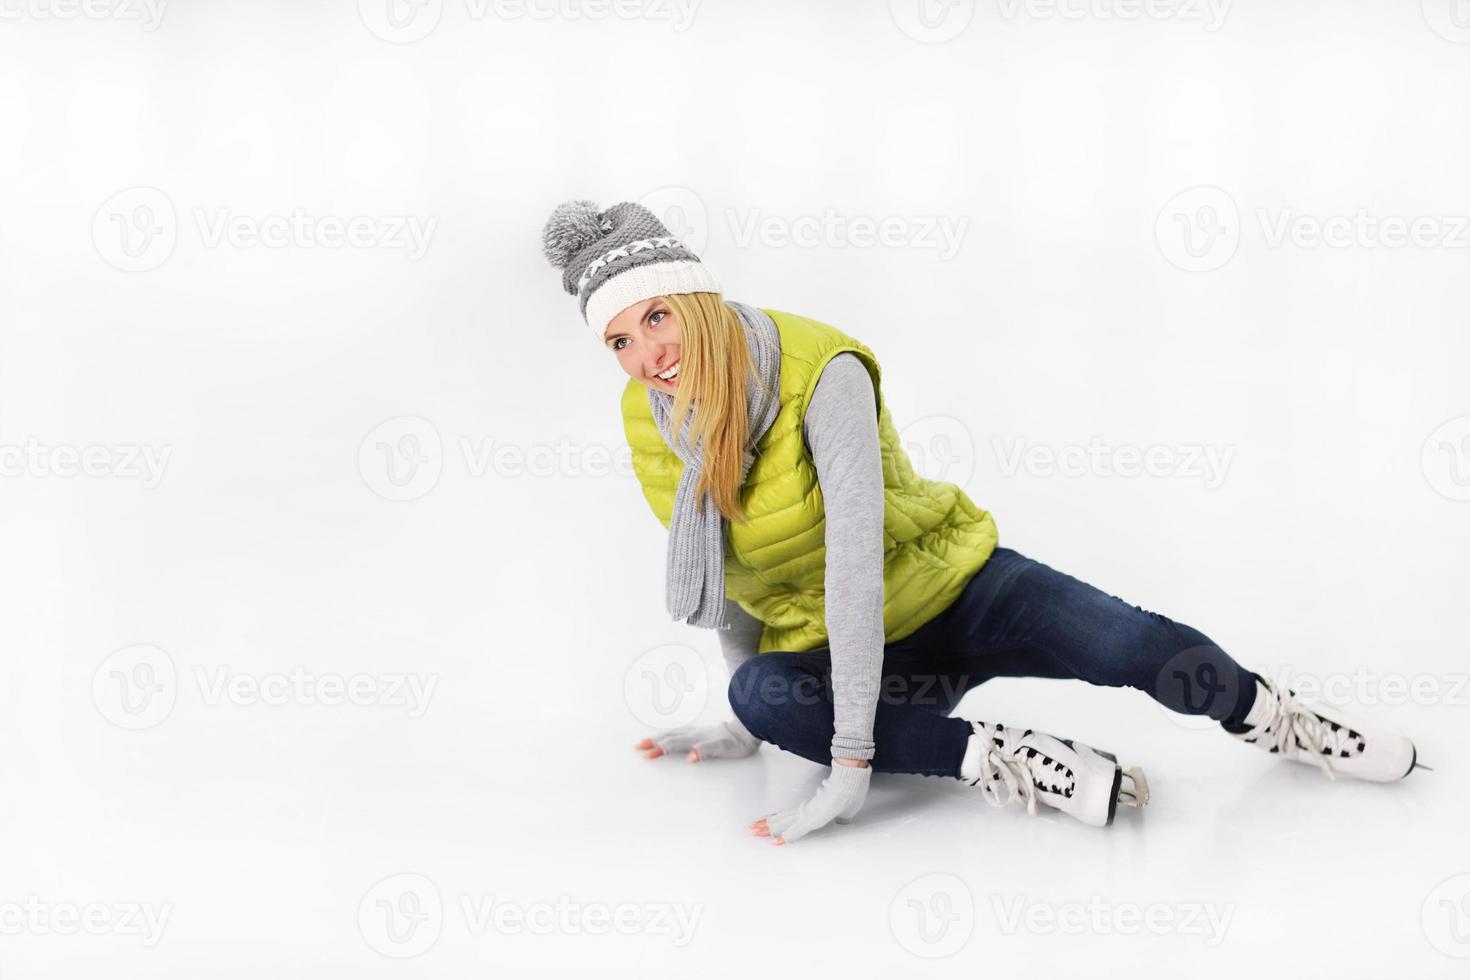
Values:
[(1024, 618), (1019, 616)]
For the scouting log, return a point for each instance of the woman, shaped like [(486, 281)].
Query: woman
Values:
[(856, 601)]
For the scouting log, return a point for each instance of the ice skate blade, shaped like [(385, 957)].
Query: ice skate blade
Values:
[(1136, 793)]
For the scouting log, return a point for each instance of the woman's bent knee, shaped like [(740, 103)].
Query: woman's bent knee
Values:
[(768, 688)]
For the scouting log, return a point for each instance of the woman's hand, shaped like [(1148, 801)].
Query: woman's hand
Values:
[(839, 798), (727, 740)]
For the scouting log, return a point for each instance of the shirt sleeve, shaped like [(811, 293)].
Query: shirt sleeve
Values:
[(740, 642), (841, 429)]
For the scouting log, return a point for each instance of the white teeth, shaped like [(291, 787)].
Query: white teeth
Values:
[(670, 374)]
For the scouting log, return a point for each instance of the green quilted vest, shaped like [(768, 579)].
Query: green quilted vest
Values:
[(934, 537)]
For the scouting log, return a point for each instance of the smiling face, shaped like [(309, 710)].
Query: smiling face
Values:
[(645, 339)]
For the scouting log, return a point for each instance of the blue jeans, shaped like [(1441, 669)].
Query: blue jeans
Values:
[(1015, 618)]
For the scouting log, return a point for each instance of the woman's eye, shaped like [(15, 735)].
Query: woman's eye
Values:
[(615, 343), (656, 317)]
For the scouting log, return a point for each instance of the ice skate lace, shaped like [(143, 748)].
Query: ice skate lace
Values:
[(1000, 767), (1294, 729)]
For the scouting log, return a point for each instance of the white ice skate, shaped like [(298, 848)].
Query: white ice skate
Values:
[(1280, 724), (1077, 779)]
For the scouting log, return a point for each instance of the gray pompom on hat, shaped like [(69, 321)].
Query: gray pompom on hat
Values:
[(614, 258)]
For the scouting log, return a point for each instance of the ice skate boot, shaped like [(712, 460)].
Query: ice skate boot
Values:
[(1332, 741), (1077, 779)]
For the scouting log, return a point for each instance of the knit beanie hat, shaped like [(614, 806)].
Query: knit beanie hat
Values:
[(612, 259)]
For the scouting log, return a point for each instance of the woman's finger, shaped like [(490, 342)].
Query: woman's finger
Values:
[(653, 753), (781, 822)]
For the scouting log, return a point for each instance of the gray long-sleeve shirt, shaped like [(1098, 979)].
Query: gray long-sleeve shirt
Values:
[(841, 430)]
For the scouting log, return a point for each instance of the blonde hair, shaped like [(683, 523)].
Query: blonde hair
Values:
[(715, 363)]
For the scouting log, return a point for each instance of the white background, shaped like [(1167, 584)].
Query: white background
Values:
[(328, 496)]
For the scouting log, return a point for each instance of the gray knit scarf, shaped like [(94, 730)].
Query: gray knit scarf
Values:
[(696, 559)]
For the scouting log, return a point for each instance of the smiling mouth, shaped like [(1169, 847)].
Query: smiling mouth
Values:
[(674, 377)]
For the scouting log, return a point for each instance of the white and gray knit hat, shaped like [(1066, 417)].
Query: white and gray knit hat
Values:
[(612, 259)]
